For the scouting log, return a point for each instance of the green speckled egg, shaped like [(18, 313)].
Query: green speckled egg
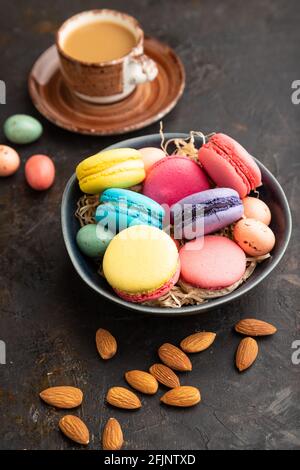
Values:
[(93, 239), (22, 129)]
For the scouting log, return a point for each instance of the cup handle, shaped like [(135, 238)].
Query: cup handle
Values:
[(142, 69)]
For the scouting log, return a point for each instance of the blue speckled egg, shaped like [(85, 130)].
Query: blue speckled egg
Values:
[(22, 129), (93, 239)]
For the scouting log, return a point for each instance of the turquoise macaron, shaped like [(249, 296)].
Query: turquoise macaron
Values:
[(122, 208)]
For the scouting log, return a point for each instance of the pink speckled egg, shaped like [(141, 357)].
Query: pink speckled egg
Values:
[(256, 209), (9, 160), (254, 237), (150, 156), (40, 172)]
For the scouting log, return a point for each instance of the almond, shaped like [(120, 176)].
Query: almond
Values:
[(254, 327), (106, 344), (62, 397), (142, 381), (75, 429), (182, 396), (121, 397), (112, 437), (246, 353), (173, 357), (197, 342), (165, 375)]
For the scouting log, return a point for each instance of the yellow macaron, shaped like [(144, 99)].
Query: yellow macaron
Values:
[(141, 263), (116, 168)]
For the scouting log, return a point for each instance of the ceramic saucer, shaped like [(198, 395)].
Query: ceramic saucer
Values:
[(147, 104)]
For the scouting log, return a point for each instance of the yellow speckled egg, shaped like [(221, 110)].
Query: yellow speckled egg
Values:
[(256, 209), (9, 160), (254, 237)]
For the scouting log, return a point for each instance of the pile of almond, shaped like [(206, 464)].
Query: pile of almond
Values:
[(172, 359)]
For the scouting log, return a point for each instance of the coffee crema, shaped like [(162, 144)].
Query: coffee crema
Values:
[(99, 41)]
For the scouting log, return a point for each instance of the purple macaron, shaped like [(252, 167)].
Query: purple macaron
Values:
[(206, 212)]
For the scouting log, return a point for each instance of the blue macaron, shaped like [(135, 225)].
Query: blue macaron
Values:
[(122, 208)]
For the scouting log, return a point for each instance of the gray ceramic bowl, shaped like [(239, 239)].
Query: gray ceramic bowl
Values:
[(271, 192)]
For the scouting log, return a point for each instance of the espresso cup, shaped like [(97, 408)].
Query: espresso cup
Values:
[(106, 81)]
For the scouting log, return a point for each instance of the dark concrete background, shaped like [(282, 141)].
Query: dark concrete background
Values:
[(240, 59)]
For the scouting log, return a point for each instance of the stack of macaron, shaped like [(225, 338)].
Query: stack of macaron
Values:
[(161, 218)]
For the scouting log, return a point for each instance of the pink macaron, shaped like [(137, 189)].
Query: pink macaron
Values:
[(229, 164), (212, 262), (173, 178)]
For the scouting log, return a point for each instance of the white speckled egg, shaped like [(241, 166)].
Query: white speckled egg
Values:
[(150, 156), (9, 160)]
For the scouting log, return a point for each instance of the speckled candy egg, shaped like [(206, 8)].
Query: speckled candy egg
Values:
[(40, 172), (150, 156), (22, 129), (254, 237), (93, 239), (256, 209), (9, 160)]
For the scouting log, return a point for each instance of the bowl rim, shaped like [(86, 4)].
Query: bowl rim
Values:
[(168, 311)]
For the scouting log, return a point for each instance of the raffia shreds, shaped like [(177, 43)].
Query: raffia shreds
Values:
[(86, 207), (182, 294), (183, 147)]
